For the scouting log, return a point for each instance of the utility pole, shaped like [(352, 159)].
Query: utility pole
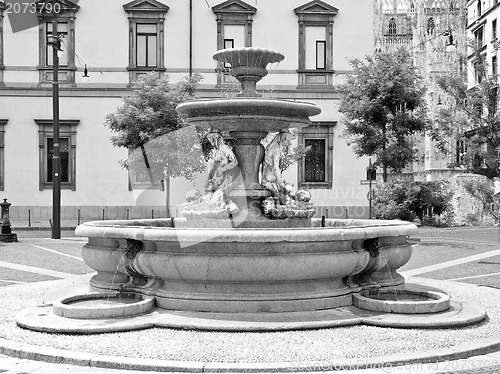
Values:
[(56, 159)]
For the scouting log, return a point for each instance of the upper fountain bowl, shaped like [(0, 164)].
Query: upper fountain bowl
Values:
[(248, 62), (248, 65), (248, 111)]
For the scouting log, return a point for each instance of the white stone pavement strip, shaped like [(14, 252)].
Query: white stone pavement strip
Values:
[(36, 270), (447, 264), (475, 276), (57, 252)]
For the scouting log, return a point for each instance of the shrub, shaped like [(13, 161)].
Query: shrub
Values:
[(430, 202)]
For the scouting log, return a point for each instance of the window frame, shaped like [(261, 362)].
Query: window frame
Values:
[(67, 129), (313, 14), (323, 131), (231, 13), (147, 35), (66, 15), (321, 62), (145, 12)]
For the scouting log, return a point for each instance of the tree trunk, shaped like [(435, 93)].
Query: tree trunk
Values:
[(167, 195), (148, 167)]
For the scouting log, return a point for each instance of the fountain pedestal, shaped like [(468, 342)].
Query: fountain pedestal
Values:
[(249, 152)]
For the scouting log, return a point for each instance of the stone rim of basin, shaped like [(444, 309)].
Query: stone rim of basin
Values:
[(435, 301), (68, 307)]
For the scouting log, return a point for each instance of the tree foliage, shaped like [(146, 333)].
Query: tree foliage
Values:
[(471, 119), (147, 124), (383, 105), (483, 190), (408, 200)]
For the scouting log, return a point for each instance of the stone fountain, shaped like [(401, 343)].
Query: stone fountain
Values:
[(248, 255)]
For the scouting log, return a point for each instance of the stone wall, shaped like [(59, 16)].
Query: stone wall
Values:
[(468, 209)]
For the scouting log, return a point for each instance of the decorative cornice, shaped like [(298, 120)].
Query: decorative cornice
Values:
[(234, 6), (316, 7), (148, 6)]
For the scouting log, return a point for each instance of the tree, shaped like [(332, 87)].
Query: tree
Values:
[(383, 105), (471, 120), (160, 145)]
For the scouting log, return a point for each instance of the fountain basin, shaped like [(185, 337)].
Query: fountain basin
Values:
[(251, 269), (103, 305), (404, 301), (248, 114)]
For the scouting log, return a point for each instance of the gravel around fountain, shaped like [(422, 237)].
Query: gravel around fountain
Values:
[(271, 347)]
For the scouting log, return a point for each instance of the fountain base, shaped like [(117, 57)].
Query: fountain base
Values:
[(43, 318)]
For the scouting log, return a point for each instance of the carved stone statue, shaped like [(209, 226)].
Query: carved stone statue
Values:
[(223, 176), (271, 173), (282, 203), (224, 171)]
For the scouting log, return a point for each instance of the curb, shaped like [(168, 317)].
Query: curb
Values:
[(40, 228), (61, 356)]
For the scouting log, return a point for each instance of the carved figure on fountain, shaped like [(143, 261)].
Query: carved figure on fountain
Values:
[(224, 176), (282, 203)]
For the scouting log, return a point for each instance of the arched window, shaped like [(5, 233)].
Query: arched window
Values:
[(479, 8), (430, 26), (392, 26)]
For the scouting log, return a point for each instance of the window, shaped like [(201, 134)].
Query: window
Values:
[(228, 43), (320, 54), (67, 151), (494, 29), (430, 26), (315, 170), (479, 37), (315, 161), (316, 36), (478, 72), (146, 41), (494, 65), (392, 27), (460, 152), (64, 155), (62, 32), (234, 30), (479, 8), (66, 30), (146, 37)]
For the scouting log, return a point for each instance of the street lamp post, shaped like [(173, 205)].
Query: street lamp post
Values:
[(55, 41)]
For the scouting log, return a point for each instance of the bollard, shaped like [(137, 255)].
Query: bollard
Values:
[(78, 217), (6, 235)]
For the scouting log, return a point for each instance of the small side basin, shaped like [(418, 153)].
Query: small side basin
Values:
[(103, 305), (404, 301)]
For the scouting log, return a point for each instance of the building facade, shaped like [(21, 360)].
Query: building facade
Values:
[(114, 42), (482, 28), (424, 28)]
